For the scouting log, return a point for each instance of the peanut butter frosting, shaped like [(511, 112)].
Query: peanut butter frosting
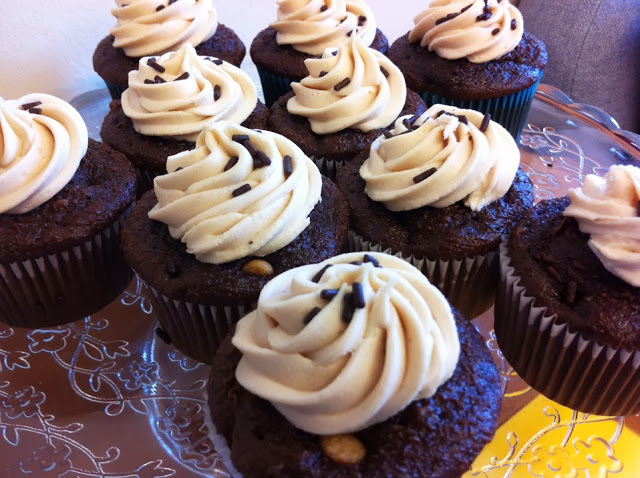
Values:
[(239, 193), (608, 208), (177, 93), (341, 345), (311, 26), (42, 140), (152, 27), (478, 30), (351, 87), (446, 155)]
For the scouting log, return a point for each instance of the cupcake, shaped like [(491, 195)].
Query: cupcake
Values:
[(356, 366), (305, 30), (440, 192), (349, 96), (242, 206), (568, 304), (152, 28), (63, 198), (473, 54), (169, 100)]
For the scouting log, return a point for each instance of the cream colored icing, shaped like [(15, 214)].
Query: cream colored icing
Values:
[(470, 165), (330, 376), (468, 34), (40, 150), (143, 30), (308, 28), (607, 208), (180, 108), (196, 200), (369, 101)]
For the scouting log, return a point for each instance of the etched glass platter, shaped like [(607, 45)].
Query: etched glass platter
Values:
[(105, 397)]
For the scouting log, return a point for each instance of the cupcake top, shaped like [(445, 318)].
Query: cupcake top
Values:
[(608, 208), (42, 140), (177, 93), (339, 346), (239, 193), (478, 30), (311, 26), (446, 155), (152, 27), (352, 87)]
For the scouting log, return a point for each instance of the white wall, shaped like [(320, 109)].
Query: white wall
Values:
[(46, 45)]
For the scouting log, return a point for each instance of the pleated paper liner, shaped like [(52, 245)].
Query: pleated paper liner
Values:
[(328, 167), (196, 330), (115, 90), (219, 442), (145, 181), (510, 111), (564, 365), (59, 288), (274, 86), (468, 284)]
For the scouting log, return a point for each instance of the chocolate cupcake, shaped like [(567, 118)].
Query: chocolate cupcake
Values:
[(242, 206), (473, 55), (349, 96), (302, 32), (63, 199), (168, 101), (568, 305), (146, 28), (356, 366), (440, 190)]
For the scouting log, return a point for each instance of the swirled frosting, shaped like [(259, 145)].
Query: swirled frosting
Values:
[(478, 30), (311, 26), (355, 87), (42, 140), (143, 28), (177, 93), (608, 208), (336, 371), (440, 159), (231, 198)]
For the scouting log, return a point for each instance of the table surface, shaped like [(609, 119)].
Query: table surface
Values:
[(104, 397)]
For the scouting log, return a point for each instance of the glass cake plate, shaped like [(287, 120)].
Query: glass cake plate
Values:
[(104, 397)]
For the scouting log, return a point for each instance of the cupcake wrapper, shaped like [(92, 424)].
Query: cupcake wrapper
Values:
[(219, 441), (145, 180), (510, 111), (468, 284), (195, 329), (328, 167), (66, 286), (273, 86), (561, 364), (114, 90)]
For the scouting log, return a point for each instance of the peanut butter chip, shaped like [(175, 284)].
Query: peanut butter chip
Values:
[(258, 267), (343, 449)]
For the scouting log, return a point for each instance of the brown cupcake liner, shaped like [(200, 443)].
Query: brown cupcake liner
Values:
[(469, 284), (328, 167), (563, 365), (195, 329), (145, 180), (59, 288)]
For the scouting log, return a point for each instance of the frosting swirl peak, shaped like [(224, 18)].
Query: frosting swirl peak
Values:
[(42, 140), (340, 361), (177, 93), (444, 156), (355, 87), (239, 193), (478, 30), (311, 26), (608, 208)]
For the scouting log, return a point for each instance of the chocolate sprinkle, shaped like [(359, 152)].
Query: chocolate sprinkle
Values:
[(572, 289), (342, 84), (233, 160), (356, 263), (347, 307), (373, 260), (162, 335), (241, 190), (387, 134), (28, 106), (250, 147), (172, 1), (154, 64), (323, 8), (239, 138), (316, 278), (184, 76), (159, 7), (407, 122), (485, 122), (312, 313), (35, 111), (495, 31), (322, 73), (424, 175), (149, 82), (361, 20), (286, 166), (217, 92), (484, 16), (334, 53), (462, 118), (159, 79), (261, 160), (328, 294), (638, 209), (384, 72), (358, 296), (349, 33), (514, 24), (466, 8), (450, 16)]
